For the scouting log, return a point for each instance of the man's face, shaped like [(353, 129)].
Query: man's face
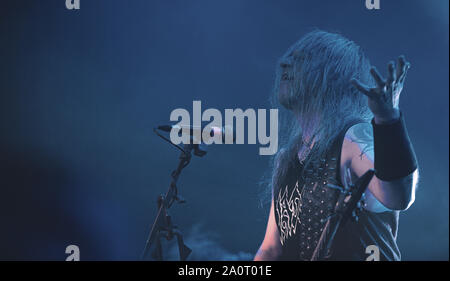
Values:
[(285, 85)]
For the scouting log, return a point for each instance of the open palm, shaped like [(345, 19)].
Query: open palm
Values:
[(384, 98)]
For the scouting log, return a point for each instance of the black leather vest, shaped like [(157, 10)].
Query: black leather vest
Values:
[(305, 201)]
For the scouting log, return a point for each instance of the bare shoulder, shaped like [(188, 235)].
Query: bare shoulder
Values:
[(360, 133), (358, 139)]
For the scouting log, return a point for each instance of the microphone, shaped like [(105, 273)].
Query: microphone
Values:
[(193, 130)]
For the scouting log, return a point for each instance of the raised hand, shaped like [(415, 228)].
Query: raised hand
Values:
[(384, 98)]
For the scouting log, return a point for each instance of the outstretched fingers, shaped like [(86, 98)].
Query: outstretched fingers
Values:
[(401, 66), (362, 88), (391, 74), (401, 79), (378, 79)]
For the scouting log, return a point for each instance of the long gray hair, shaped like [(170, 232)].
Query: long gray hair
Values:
[(322, 65)]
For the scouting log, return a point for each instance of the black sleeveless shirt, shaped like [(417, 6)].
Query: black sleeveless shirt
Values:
[(305, 200)]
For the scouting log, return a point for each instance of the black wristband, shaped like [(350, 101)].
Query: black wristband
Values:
[(394, 154)]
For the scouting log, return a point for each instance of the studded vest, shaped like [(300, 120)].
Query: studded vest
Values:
[(305, 200)]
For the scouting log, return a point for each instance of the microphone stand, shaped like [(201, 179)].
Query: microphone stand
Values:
[(343, 212), (162, 226)]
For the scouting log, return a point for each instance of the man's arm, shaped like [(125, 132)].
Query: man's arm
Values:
[(358, 156), (384, 144), (270, 248)]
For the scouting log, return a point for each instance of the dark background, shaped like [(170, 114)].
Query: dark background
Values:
[(81, 91)]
